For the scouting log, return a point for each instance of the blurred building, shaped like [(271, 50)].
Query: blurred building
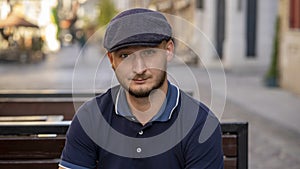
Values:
[(289, 57), (35, 12), (241, 31)]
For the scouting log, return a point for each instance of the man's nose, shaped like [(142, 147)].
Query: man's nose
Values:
[(138, 65)]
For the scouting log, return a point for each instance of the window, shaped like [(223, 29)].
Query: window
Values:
[(294, 17), (200, 4)]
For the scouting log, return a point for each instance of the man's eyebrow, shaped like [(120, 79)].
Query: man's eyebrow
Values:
[(125, 50), (130, 49)]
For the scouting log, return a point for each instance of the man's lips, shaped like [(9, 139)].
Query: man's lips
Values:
[(139, 80)]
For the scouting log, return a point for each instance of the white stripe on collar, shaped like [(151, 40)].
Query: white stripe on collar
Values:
[(177, 100), (117, 101)]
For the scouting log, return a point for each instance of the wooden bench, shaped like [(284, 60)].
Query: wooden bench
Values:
[(39, 144), (235, 145), (31, 144)]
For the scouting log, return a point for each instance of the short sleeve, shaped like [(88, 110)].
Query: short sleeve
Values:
[(79, 151), (206, 154)]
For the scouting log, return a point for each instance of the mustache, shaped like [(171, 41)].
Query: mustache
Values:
[(139, 76)]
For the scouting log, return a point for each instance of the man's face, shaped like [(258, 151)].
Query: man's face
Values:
[(141, 69)]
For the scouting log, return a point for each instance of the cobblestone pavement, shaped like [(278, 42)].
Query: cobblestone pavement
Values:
[(274, 139)]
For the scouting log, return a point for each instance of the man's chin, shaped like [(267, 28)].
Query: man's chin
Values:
[(139, 93)]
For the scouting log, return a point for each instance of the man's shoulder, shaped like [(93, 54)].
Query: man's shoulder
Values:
[(204, 122), (192, 107), (189, 100)]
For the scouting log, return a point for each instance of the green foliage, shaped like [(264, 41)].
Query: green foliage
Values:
[(107, 12), (273, 72), (54, 18)]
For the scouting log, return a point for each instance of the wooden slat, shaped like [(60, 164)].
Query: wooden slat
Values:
[(47, 93), (42, 102), (30, 164), (34, 108), (33, 128), (31, 147), (230, 163), (31, 118), (229, 145)]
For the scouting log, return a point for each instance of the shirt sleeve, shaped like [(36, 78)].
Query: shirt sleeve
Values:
[(80, 152), (204, 150)]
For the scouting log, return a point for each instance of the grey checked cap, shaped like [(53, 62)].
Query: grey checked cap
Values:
[(136, 27)]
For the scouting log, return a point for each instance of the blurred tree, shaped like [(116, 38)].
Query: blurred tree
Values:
[(107, 12), (271, 78), (55, 20)]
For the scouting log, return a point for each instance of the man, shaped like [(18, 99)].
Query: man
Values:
[(145, 122)]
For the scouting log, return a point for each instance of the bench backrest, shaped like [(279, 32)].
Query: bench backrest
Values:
[(34, 107), (31, 144), (41, 103), (39, 144), (235, 145)]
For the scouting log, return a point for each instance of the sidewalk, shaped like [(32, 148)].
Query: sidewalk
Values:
[(247, 90), (276, 104), (272, 113)]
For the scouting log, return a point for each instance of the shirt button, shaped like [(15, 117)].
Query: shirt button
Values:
[(141, 132), (138, 150)]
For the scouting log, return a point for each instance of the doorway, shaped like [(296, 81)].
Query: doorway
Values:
[(251, 28), (220, 27)]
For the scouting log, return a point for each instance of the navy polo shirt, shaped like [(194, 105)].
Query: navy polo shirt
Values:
[(84, 150)]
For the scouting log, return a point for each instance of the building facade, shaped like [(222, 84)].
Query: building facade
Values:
[(289, 55), (238, 32), (241, 31)]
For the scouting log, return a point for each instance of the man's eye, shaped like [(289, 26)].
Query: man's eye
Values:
[(149, 52), (124, 55)]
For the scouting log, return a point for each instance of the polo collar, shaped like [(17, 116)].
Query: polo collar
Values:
[(165, 112)]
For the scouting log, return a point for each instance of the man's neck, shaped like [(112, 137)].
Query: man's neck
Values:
[(144, 109)]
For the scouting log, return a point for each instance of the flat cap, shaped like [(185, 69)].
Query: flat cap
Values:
[(136, 27)]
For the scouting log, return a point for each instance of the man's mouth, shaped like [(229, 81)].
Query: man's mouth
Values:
[(139, 80)]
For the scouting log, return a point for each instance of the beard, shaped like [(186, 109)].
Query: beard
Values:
[(141, 93)]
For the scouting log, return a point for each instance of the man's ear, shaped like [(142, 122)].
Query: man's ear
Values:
[(170, 47), (111, 59)]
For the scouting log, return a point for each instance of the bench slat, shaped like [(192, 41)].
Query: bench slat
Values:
[(24, 164), (31, 147), (29, 128), (229, 145), (230, 163), (25, 108)]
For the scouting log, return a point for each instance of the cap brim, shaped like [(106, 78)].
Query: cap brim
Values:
[(150, 44)]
